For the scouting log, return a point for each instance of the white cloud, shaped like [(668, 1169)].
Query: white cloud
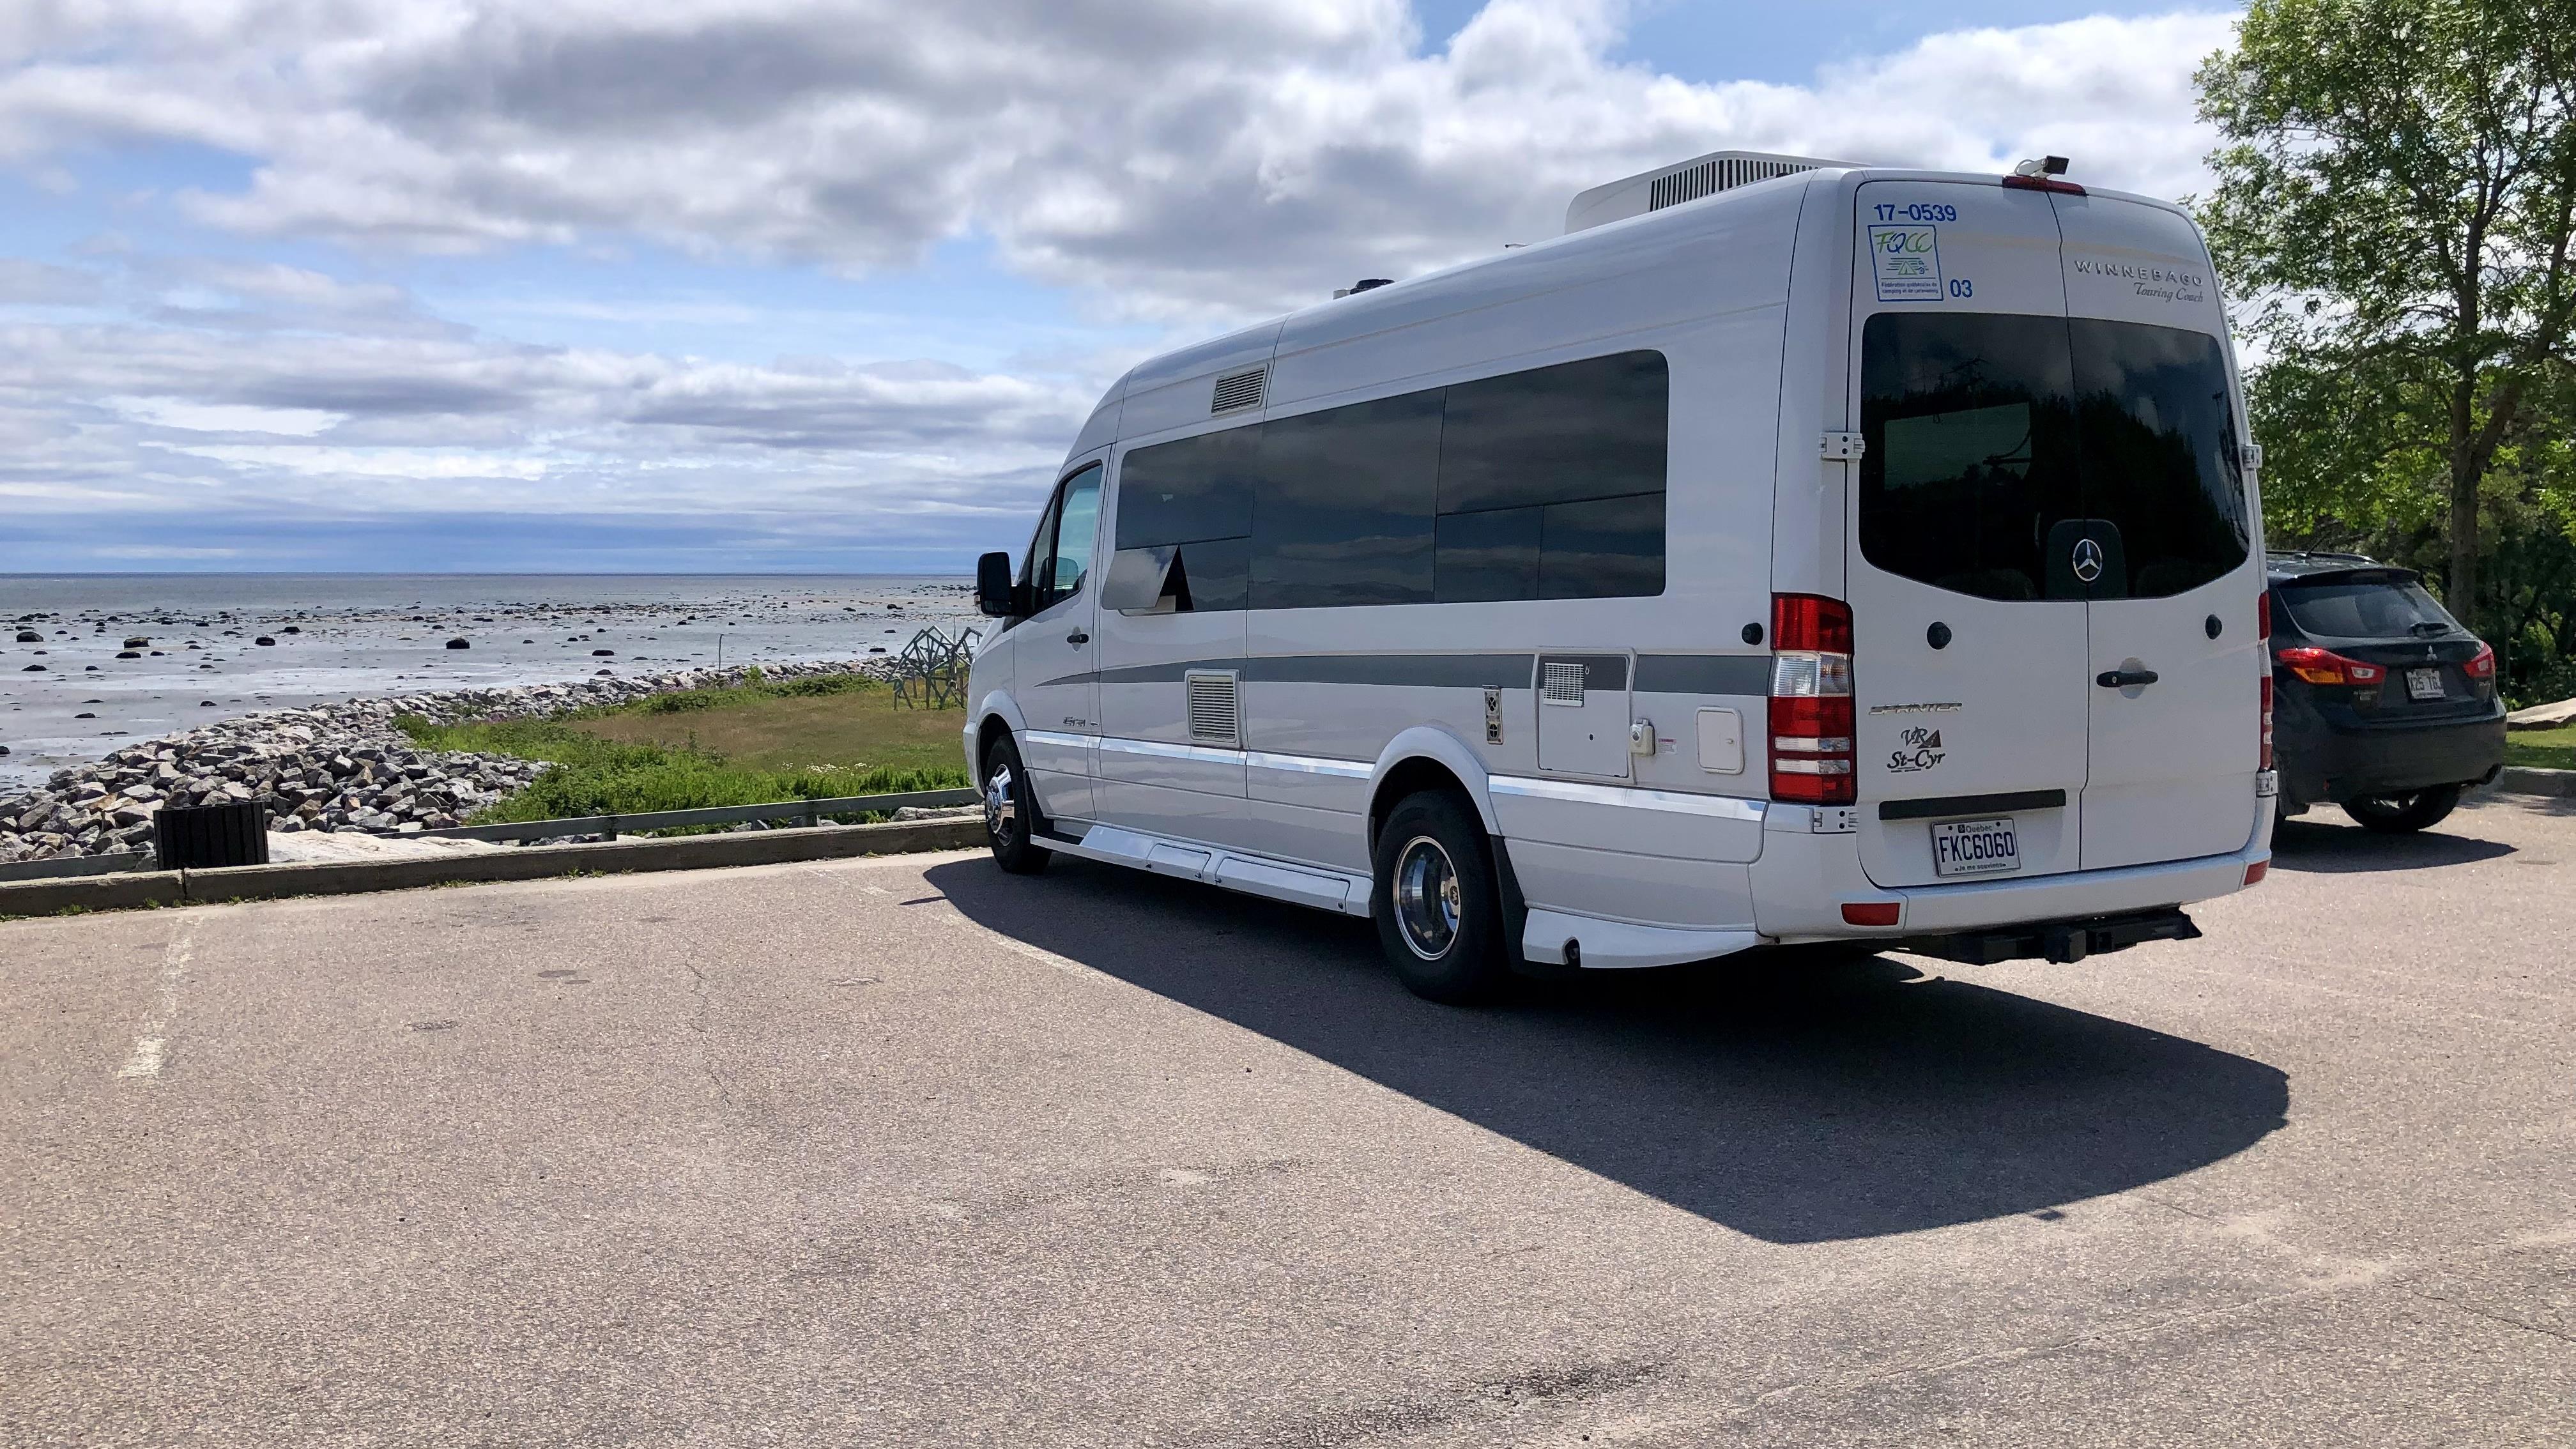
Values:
[(1189, 161), (1172, 153)]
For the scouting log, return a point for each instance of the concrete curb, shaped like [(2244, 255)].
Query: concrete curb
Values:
[(2533, 780), (536, 862)]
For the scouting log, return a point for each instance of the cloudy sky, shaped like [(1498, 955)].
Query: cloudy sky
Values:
[(769, 285)]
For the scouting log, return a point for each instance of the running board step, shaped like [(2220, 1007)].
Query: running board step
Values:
[(1279, 880)]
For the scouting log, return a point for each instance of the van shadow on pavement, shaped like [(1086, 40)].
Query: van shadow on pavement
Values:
[(2327, 841), (1793, 1103)]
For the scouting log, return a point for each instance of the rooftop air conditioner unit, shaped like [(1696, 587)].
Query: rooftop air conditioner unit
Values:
[(1683, 181)]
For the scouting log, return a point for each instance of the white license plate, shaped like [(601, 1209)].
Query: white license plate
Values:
[(1975, 847), (2423, 684)]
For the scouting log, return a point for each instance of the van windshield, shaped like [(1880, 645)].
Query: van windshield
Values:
[(1985, 431)]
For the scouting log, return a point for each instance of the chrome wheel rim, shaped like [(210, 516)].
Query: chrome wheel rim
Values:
[(1001, 806), (1426, 898)]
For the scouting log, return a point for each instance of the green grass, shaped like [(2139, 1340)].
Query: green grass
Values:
[(801, 739), (2549, 749)]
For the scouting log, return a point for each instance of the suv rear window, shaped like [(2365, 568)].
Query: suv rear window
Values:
[(2370, 608), (1985, 431)]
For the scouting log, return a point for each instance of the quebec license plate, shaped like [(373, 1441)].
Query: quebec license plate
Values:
[(2423, 684), (1975, 847)]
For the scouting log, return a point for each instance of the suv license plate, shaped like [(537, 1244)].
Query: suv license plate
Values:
[(1975, 847), (2423, 684)]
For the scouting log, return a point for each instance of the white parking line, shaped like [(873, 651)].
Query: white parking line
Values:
[(151, 1045)]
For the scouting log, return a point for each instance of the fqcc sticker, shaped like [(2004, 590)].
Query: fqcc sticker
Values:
[(1907, 261)]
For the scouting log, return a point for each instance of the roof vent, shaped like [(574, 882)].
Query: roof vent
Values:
[(1686, 181), (1238, 390), (1364, 284)]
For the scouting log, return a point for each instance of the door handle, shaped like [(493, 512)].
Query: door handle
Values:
[(1078, 638), (2123, 678)]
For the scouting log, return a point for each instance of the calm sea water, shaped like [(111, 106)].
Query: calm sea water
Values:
[(362, 634)]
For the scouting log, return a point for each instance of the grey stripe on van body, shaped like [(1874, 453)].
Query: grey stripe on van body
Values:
[(1656, 673), (1439, 671), (1704, 674)]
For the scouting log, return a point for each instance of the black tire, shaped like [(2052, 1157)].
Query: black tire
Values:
[(2404, 814), (1439, 913), (1011, 811)]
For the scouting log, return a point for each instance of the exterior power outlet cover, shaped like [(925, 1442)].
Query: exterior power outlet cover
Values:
[(1834, 820), (1641, 737)]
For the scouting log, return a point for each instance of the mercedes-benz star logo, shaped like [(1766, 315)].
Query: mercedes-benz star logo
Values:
[(2088, 560)]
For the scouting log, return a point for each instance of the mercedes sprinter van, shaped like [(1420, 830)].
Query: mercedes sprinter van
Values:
[(1791, 552)]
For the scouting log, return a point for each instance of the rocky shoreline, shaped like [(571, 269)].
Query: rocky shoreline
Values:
[(330, 767)]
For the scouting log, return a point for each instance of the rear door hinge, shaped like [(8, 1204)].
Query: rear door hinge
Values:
[(1844, 447)]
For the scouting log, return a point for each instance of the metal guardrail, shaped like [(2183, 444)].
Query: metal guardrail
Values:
[(120, 861), (808, 811)]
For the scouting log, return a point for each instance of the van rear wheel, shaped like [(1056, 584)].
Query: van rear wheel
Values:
[(1438, 911), (2404, 814), (1011, 811)]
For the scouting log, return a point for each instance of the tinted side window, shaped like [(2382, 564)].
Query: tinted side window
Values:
[(1552, 482), (2159, 451), (1602, 548), (1343, 513), (1590, 429), (1969, 457), (1183, 491)]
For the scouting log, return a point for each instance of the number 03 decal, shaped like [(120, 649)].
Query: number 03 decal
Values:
[(1962, 287)]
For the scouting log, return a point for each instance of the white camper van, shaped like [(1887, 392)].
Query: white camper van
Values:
[(1790, 552)]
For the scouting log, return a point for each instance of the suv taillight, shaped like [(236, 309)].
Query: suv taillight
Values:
[(2324, 666), (1811, 700), (2481, 667)]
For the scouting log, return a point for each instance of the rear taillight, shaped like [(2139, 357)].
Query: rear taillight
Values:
[(2324, 666), (1811, 700), (2263, 615), (2267, 723), (2482, 666)]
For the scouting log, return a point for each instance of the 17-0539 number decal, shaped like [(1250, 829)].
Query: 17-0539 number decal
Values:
[(1916, 211)]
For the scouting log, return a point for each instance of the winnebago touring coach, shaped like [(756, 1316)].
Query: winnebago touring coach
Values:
[(1791, 552)]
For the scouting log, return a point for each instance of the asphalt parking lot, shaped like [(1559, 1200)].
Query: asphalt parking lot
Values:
[(910, 1152)]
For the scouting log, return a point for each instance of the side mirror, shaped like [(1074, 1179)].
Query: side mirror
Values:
[(993, 585)]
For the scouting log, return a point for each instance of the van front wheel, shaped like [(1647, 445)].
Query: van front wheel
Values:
[(1439, 915), (1011, 811)]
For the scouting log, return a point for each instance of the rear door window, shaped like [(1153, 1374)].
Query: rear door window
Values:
[(1984, 432), (2379, 608), (2158, 433), (1969, 455)]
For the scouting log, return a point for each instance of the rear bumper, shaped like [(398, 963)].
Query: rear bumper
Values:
[(2322, 762), (1804, 880)]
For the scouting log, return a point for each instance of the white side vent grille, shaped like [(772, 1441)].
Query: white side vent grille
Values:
[(1215, 716), (1716, 174), (1561, 683), (1238, 390)]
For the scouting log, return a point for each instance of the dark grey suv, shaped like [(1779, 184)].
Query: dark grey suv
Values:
[(2382, 703)]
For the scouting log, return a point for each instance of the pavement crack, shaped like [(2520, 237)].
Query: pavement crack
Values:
[(701, 1028), (2490, 1314)]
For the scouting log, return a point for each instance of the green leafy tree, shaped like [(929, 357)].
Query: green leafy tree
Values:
[(2395, 200)]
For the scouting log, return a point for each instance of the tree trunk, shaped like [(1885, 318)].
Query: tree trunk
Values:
[(2460, 587)]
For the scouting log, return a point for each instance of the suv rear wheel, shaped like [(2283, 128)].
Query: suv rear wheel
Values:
[(1439, 913), (2404, 814)]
